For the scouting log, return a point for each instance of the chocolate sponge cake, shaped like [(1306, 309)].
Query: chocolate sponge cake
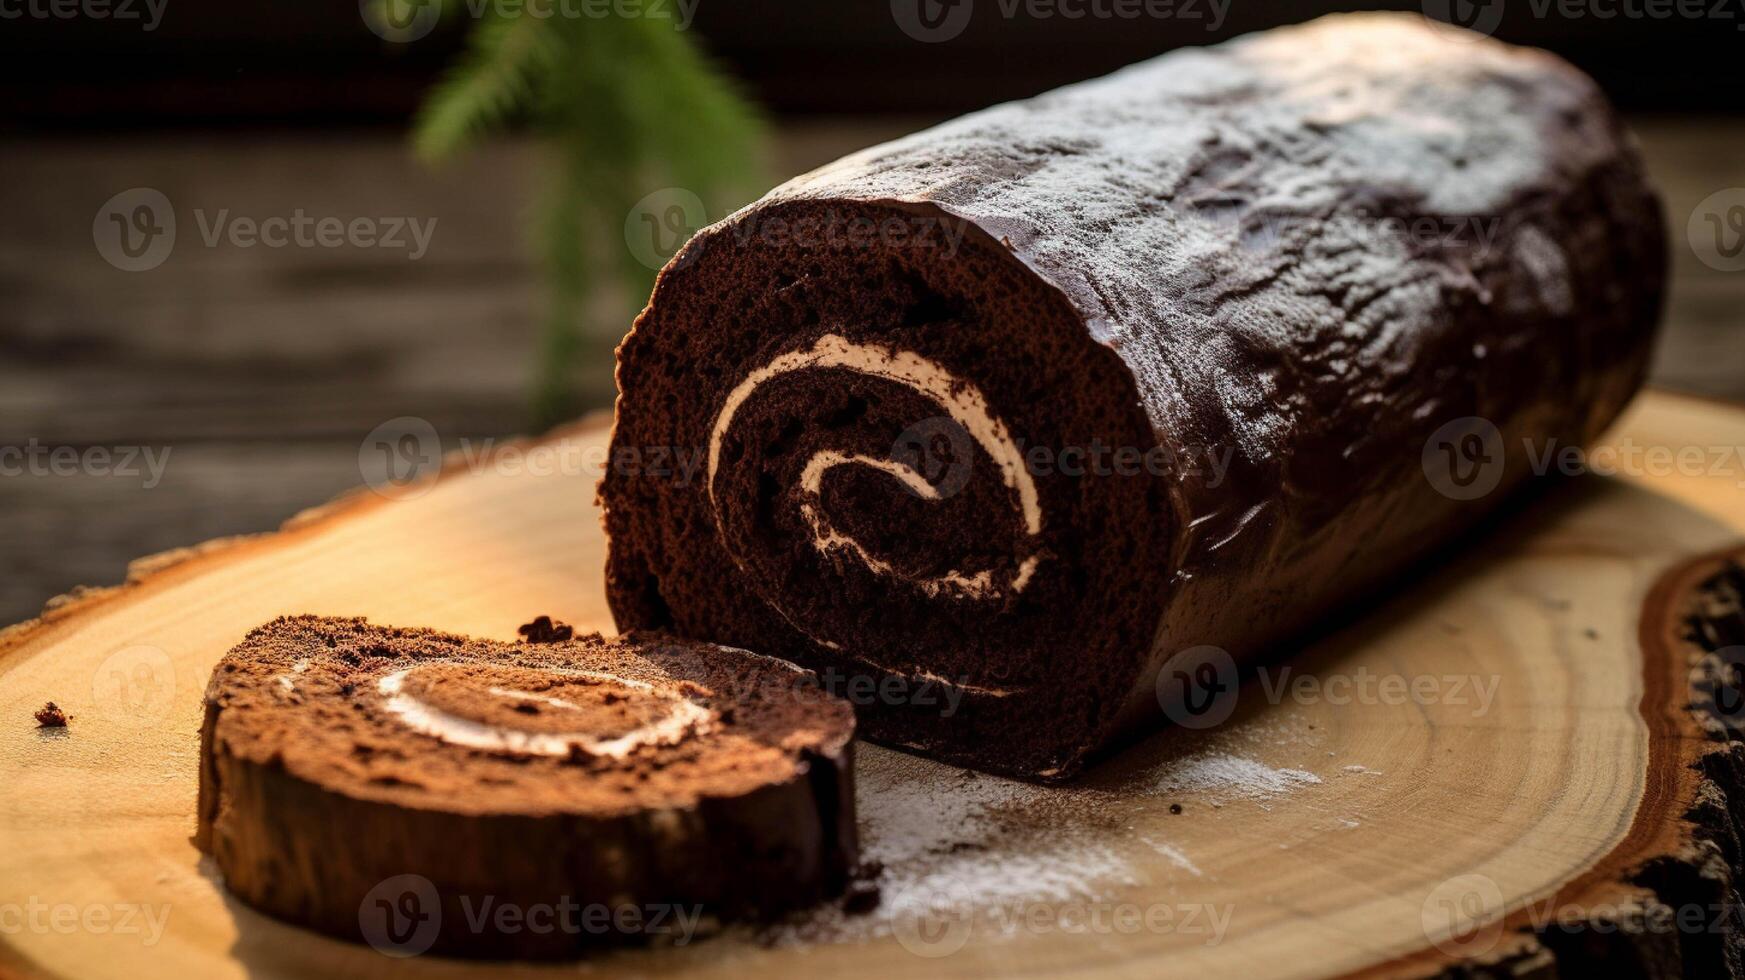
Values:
[(998, 423), (407, 787)]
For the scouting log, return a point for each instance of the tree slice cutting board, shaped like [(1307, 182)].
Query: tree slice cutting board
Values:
[(1500, 769)]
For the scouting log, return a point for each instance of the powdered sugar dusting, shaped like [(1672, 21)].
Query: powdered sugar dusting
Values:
[(1175, 856), (948, 838), (1224, 776), (934, 827)]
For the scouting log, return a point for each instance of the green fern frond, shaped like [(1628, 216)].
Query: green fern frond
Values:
[(629, 106), (716, 146), (505, 63)]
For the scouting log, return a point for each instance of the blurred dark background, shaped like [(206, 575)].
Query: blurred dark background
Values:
[(210, 62), (260, 370)]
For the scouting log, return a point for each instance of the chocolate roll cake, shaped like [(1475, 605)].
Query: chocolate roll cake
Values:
[(427, 792), (993, 424)]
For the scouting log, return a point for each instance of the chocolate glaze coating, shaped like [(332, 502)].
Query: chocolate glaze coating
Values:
[(1290, 264), (328, 799)]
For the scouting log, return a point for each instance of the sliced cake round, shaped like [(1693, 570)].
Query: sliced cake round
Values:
[(423, 791)]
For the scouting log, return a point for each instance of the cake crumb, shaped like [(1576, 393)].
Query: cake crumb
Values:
[(862, 897), (546, 630), (50, 715)]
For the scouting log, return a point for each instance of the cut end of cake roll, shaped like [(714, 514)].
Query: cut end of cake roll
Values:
[(998, 425), (904, 444), (606, 791)]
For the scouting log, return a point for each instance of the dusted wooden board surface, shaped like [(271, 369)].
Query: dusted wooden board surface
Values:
[(1329, 831)]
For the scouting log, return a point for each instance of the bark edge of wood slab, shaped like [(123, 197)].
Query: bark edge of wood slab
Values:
[(1202, 262), (345, 764), (1666, 904)]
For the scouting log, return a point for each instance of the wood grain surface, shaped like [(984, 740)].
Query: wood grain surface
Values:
[(1540, 827)]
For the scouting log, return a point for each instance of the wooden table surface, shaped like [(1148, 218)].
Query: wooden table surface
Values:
[(260, 371)]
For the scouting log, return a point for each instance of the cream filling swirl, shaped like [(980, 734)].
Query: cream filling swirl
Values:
[(962, 402), (684, 718)]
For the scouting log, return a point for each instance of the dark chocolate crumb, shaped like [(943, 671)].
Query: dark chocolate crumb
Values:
[(862, 897), (545, 630), (50, 715)]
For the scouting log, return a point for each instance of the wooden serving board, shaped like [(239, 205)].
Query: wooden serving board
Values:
[(1507, 746)]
